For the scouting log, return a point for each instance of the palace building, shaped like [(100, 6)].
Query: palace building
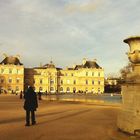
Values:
[(87, 77), (11, 75)]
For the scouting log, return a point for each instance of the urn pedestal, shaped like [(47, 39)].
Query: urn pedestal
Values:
[(129, 116)]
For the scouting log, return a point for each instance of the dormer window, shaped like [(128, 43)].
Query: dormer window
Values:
[(10, 71), (2, 70)]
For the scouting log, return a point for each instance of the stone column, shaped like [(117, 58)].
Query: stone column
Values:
[(129, 116)]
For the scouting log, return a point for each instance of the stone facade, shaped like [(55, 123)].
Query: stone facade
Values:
[(11, 75), (87, 77)]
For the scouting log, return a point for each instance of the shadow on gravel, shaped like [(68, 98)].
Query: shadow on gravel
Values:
[(23, 118), (66, 116)]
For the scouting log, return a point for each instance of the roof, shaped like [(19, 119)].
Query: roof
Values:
[(91, 64), (88, 64), (49, 65), (11, 60)]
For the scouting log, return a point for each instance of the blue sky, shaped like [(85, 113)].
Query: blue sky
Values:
[(67, 31)]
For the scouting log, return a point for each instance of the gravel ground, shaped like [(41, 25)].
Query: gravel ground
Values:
[(59, 121)]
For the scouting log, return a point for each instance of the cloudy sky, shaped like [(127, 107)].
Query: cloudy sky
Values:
[(67, 31)]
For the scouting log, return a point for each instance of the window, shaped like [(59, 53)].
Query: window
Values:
[(74, 90), (17, 80), (72, 74), (51, 81), (61, 82), (9, 88), (86, 73), (61, 89), (68, 89), (99, 74), (10, 80), (2, 70), (17, 88), (68, 81), (2, 80), (92, 73), (74, 82), (40, 88), (92, 82), (99, 82), (86, 82), (10, 71), (41, 81), (51, 89)]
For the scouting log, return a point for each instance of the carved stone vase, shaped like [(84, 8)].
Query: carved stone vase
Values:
[(129, 116)]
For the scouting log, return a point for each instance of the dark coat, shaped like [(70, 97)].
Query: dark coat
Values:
[(30, 97)]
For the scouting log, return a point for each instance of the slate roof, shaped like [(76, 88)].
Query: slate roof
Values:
[(11, 60), (88, 64)]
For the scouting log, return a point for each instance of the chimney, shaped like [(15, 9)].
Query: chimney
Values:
[(84, 61)]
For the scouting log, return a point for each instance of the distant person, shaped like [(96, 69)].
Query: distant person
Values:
[(46, 92), (21, 95), (30, 105), (39, 95)]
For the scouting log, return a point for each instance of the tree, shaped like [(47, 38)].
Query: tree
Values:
[(125, 71)]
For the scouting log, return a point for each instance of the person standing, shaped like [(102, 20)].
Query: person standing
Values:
[(30, 105), (21, 95), (39, 95)]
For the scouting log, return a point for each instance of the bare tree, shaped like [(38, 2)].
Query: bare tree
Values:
[(125, 71)]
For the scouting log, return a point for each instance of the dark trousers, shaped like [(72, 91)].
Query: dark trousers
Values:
[(28, 116)]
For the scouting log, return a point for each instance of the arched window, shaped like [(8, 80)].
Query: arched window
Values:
[(74, 90), (98, 90), (51, 81), (61, 89), (51, 89), (86, 90), (68, 89), (9, 88), (40, 88)]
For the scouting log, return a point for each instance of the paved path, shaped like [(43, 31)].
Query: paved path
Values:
[(59, 121)]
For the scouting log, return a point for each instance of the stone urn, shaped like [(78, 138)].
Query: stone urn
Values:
[(134, 54), (129, 116)]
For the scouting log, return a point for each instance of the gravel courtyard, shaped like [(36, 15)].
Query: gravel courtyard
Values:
[(59, 121)]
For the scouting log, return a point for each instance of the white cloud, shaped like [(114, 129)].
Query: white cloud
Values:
[(39, 30)]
